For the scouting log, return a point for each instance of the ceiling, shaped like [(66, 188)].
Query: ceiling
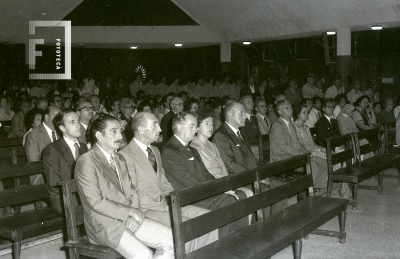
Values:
[(161, 23)]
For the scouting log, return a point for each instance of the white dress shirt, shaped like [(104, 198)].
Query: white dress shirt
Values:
[(71, 145), (49, 131), (142, 147)]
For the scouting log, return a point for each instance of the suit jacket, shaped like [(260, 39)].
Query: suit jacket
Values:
[(59, 164), (235, 153), (152, 186), (262, 125), (183, 168), (246, 90), (283, 144), (166, 126), (17, 129), (106, 207), (106, 92), (250, 131), (35, 142), (326, 129), (83, 135)]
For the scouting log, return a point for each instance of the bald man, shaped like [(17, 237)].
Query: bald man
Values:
[(236, 152)]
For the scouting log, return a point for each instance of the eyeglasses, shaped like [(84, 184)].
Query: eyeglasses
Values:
[(86, 108), (130, 107)]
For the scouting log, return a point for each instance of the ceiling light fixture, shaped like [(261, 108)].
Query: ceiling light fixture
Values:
[(246, 42), (178, 45), (376, 27), (330, 32), (134, 47)]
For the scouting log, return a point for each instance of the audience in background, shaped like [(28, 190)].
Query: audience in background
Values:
[(18, 129)]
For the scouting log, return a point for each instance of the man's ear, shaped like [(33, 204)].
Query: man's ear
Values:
[(62, 128), (99, 136)]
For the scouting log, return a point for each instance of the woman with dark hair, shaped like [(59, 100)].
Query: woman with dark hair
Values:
[(209, 152), (360, 115), (144, 106), (192, 105), (67, 104), (33, 119), (300, 114), (340, 101)]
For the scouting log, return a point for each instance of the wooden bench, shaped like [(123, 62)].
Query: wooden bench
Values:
[(10, 142), (380, 160), (268, 235), (12, 155), (29, 224), (3, 126), (80, 245)]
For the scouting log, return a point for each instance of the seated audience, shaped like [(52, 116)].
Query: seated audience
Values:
[(192, 105), (85, 112), (55, 100), (128, 110), (176, 105), (6, 114), (67, 104), (33, 119), (292, 93), (144, 106), (59, 157), (271, 112), (148, 177), (340, 101), (315, 112), (184, 167), (326, 126), (43, 103), (377, 107), (110, 201), (96, 104), (18, 129), (335, 89), (360, 115), (355, 92), (310, 90), (249, 88), (250, 131), (285, 144), (264, 123), (387, 114), (112, 107)]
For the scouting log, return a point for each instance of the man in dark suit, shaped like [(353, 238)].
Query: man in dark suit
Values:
[(110, 202), (250, 88), (184, 167), (250, 131), (236, 152), (59, 157), (176, 104), (85, 112), (327, 126)]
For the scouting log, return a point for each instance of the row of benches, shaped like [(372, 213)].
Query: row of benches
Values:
[(261, 240)]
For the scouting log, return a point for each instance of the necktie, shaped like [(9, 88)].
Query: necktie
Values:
[(53, 136), (239, 135), (113, 165), (152, 159), (77, 153), (266, 121)]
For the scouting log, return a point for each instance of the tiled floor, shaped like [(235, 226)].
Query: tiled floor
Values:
[(373, 231)]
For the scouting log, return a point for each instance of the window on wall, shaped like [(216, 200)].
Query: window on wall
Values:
[(389, 41), (364, 43)]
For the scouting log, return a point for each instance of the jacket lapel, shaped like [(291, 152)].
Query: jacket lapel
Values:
[(106, 168), (66, 152), (43, 133), (237, 141), (142, 160)]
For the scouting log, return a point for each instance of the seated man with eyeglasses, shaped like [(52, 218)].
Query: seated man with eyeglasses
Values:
[(85, 112)]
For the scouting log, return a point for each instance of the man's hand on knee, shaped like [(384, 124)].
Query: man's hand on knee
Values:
[(137, 214), (132, 224)]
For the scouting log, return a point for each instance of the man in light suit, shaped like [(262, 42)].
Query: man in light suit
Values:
[(236, 152), (264, 123), (148, 176), (184, 167), (59, 157), (85, 111), (110, 202), (39, 138), (285, 144)]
